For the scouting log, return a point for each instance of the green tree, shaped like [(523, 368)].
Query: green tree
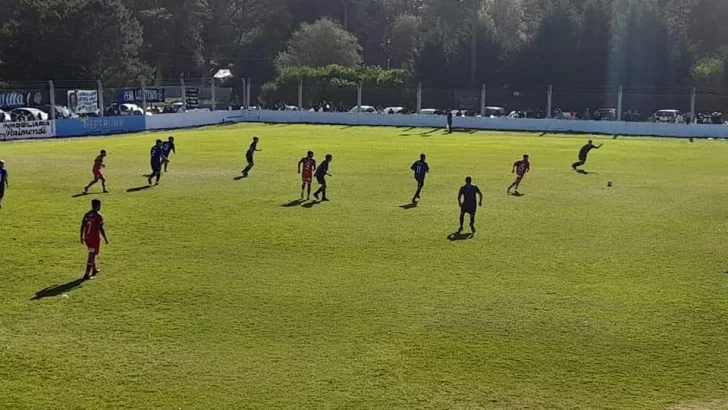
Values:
[(83, 40), (710, 73), (320, 44)]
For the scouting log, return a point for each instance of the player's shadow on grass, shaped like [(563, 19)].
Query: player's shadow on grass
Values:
[(583, 172), (57, 290), (459, 236), (239, 177), (409, 205), (291, 204), (79, 195), (139, 188), (311, 204), (517, 194)]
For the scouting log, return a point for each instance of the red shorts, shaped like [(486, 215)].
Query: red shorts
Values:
[(93, 246), (98, 174), (307, 178)]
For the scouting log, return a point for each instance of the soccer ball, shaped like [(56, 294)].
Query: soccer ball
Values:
[(609, 183)]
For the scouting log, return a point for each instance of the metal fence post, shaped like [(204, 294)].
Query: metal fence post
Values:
[(212, 94), (100, 91), (482, 100), (184, 93), (52, 97), (300, 94), (620, 94), (419, 98), (144, 96), (548, 101), (247, 92), (358, 98), (693, 97)]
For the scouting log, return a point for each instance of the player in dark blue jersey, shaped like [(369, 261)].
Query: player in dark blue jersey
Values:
[(469, 198), (420, 169), (168, 148), (249, 156), (583, 152), (157, 157), (321, 173), (3, 181)]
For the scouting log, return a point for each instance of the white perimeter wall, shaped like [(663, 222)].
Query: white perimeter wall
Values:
[(195, 119)]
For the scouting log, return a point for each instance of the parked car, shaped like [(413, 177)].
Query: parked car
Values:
[(364, 109), (431, 111), (495, 112), (393, 110), (464, 113), (571, 115), (28, 114), (126, 109), (606, 114), (61, 111), (4, 116), (673, 116)]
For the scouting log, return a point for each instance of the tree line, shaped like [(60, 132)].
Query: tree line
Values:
[(442, 43)]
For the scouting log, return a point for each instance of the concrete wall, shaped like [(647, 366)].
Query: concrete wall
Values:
[(502, 124)]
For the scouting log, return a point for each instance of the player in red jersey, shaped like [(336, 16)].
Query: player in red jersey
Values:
[(307, 165), (520, 168), (98, 171), (92, 230)]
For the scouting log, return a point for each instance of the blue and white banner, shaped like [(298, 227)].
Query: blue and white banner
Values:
[(15, 99), (154, 95), (83, 101), (100, 126)]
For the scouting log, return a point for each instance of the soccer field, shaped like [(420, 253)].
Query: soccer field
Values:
[(215, 295)]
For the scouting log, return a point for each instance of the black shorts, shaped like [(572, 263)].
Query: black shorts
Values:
[(468, 209), (249, 158), (156, 166), (582, 159), (2, 191), (321, 180), (420, 181)]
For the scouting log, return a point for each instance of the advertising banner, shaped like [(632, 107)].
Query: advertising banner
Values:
[(193, 97), (83, 101), (467, 100), (19, 130), (15, 99), (100, 126), (135, 96)]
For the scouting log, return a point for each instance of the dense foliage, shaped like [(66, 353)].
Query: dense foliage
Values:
[(443, 43)]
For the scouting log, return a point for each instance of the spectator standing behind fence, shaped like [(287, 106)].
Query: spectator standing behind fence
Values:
[(587, 114)]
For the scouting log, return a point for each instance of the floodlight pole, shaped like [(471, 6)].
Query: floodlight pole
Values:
[(144, 96), (300, 94), (693, 97), (419, 98), (212, 94)]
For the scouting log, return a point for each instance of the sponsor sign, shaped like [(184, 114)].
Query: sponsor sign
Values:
[(467, 100), (83, 101), (192, 96), (100, 125), (134, 96), (26, 130), (15, 99)]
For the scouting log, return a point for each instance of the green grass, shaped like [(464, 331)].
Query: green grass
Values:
[(214, 296)]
